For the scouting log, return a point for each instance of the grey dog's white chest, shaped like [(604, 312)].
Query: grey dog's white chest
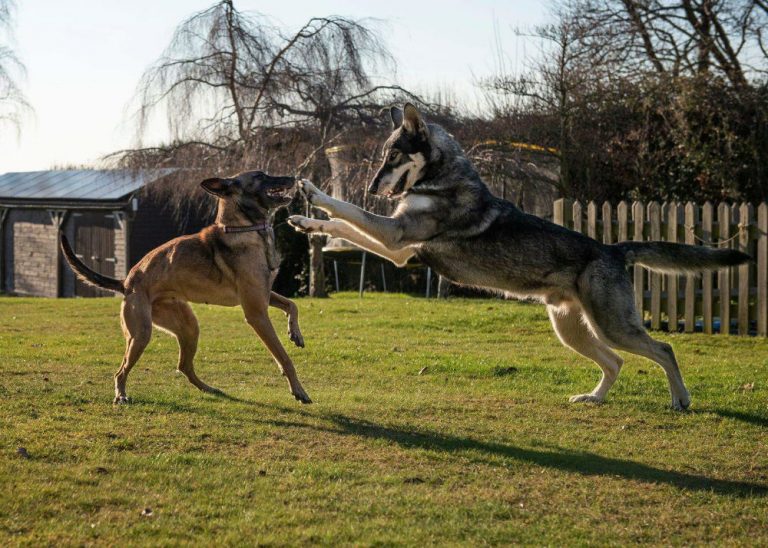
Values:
[(416, 203)]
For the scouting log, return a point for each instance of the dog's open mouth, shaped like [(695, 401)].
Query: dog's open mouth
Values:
[(397, 190), (279, 193)]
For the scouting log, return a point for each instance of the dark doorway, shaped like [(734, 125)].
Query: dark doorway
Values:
[(95, 246)]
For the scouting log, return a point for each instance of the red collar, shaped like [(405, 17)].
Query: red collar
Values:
[(258, 227)]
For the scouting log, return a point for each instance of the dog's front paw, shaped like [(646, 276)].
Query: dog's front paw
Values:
[(315, 196), (305, 225), (301, 223)]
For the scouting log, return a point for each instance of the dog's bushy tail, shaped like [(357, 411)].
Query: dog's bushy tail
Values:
[(669, 257), (86, 274)]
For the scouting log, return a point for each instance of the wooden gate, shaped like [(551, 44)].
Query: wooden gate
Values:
[(95, 246)]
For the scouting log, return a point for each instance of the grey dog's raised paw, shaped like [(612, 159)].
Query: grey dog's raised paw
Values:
[(315, 196), (307, 187), (304, 225), (298, 222)]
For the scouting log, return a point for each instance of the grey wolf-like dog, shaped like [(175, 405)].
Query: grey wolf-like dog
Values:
[(228, 263), (450, 221)]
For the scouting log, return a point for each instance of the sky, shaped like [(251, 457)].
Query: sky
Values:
[(85, 57)]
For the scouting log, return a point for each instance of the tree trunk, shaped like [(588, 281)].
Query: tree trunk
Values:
[(316, 267), (316, 244)]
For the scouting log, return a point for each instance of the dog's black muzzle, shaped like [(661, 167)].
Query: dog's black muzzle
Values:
[(373, 188)]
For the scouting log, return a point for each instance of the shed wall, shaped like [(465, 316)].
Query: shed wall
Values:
[(30, 247)]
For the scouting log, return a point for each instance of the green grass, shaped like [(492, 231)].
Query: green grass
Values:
[(481, 448)]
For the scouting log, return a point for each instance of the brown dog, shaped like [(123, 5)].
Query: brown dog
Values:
[(231, 262)]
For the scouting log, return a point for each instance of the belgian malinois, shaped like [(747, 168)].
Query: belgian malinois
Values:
[(232, 262)]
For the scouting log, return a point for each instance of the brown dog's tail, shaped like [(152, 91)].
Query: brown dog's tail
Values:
[(86, 274)]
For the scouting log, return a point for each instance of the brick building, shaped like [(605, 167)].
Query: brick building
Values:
[(110, 222)]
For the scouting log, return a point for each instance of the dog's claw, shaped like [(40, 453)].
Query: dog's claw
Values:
[(122, 400)]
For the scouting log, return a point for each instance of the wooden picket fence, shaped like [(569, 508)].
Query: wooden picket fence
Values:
[(732, 300)]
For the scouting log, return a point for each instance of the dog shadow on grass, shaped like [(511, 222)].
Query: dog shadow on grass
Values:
[(567, 460), (748, 418), (580, 462)]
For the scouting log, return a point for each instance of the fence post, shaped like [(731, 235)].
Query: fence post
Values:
[(578, 216), (673, 283), (592, 220), (558, 216), (654, 218), (746, 213), (691, 219), (638, 218), (622, 218), (707, 215), (607, 223), (724, 276), (762, 269), (563, 211)]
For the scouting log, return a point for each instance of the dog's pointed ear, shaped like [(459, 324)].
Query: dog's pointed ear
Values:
[(412, 120), (396, 115), (217, 186)]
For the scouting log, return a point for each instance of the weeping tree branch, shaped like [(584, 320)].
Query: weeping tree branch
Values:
[(14, 106)]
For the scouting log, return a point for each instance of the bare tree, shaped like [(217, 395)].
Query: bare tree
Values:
[(239, 92), (13, 104), (227, 76), (686, 37), (649, 98), (555, 82)]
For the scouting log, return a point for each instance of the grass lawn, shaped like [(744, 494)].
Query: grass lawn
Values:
[(482, 447)]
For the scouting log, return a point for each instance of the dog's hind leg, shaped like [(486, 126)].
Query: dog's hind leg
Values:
[(609, 306), (177, 318), (568, 322), (136, 320)]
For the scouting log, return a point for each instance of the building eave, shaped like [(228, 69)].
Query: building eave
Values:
[(47, 203)]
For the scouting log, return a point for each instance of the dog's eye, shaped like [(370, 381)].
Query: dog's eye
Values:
[(394, 155)]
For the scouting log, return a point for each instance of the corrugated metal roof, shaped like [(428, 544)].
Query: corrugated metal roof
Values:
[(77, 184)]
